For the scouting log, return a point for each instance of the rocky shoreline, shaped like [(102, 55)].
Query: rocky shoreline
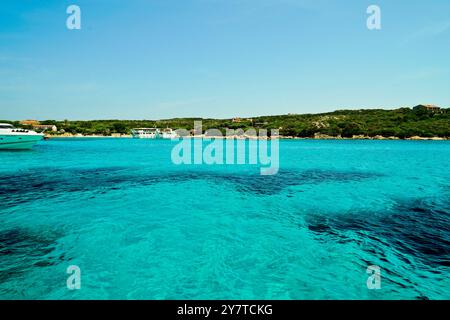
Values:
[(325, 137), (317, 137)]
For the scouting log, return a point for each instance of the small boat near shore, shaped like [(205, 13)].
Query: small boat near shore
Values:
[(153, 133), (12, 138), (145, 133), (168, 133)]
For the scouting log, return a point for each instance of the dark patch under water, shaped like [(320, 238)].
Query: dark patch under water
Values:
[(22, 249), (418, 228), (33, 184), (273, 184)]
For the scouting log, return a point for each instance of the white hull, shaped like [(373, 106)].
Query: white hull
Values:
[(153, 133), (160, 136), (144, 136), (145, 133), (19, 142), (169, 136)]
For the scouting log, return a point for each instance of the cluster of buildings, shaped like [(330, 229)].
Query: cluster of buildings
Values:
[(37, 126)]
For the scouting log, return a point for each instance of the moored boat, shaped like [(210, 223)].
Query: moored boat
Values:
[(12, 138), (153, 133), (145, 133), (168, 133)]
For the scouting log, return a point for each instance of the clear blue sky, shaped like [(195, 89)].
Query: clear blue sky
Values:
[(151, 59)]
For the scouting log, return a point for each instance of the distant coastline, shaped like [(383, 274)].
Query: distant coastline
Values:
[(422, 122), (415, 138)]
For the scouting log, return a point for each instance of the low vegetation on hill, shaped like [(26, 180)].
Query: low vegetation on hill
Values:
[(401, 123)]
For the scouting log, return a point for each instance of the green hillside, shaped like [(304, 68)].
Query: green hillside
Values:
[(401, 123)]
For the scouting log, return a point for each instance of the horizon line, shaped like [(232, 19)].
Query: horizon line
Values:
[(231, 118)]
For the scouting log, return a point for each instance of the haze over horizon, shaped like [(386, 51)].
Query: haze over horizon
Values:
[(163, 59)]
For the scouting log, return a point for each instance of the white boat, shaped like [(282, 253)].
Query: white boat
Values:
[(169, 134), (145, 133), (17, 139)]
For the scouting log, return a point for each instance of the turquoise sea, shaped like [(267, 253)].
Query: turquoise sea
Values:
[(140, 227)]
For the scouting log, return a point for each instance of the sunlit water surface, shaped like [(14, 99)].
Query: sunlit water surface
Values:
[(140, 227)]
